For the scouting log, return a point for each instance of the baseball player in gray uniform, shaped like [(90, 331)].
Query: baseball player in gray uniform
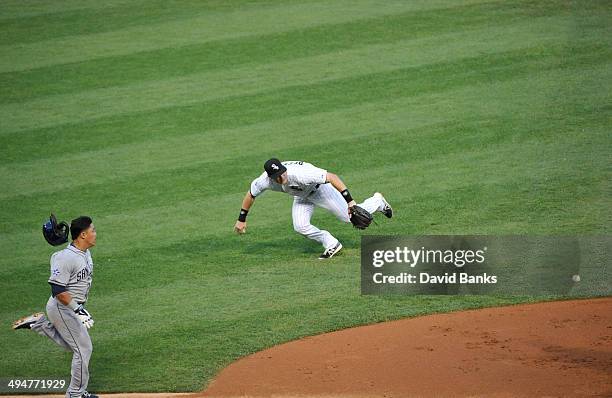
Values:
[(310, 186), (67, 321)]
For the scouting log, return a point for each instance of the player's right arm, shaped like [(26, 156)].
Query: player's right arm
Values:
[(258, 186), (247, 202), (64, 297)]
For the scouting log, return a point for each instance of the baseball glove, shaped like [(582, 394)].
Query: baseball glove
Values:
[(360, 217), (55, 233)]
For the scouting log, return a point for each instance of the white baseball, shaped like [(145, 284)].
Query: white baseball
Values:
[(576, 278)]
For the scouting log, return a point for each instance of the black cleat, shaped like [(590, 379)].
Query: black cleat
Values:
[(387, 210), (329, 253)]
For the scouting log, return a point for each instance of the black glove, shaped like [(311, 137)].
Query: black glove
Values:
[(360, 217)]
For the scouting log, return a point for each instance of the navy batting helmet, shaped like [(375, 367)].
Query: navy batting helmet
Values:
[(55, 233)]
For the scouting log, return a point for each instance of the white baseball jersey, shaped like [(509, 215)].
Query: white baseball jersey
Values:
[(302, 179), (307, 184), (73, 269)]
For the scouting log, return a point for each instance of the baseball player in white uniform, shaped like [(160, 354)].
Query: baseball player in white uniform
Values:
[(67, 321), (310, 186)]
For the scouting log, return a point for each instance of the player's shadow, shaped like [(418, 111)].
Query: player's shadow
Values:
[(289, 248), (280, 247)]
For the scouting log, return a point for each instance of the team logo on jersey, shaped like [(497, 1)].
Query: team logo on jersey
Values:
[(55, 271), (82, 274)]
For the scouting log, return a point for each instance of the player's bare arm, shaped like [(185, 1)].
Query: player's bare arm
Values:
[(340, 186), (64, 298), (247, 202)]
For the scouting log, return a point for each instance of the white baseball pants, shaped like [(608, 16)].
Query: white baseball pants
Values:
[(330, 199)]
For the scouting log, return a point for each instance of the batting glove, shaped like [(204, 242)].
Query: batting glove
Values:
[(84, 316)]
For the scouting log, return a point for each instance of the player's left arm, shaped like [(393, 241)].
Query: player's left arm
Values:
[(341, 187)]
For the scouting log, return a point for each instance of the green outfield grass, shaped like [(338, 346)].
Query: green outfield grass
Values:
[(153, 117)]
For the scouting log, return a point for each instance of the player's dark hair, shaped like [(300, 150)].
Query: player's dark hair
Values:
[(79, 225)]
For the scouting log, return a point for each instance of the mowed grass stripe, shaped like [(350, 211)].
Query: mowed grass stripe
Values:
[(225, 54), (12, 9), (213, 26), (35, 176), (194, 89), (111, 17)]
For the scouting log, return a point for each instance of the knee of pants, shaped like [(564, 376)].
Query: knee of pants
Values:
[(82, 357), (302, 229)]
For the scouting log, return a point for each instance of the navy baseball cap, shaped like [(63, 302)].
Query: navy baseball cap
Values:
[(274, 168)]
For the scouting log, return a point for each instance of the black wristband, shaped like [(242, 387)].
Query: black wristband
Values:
[(347, 196), (56, 289), (242, 215)]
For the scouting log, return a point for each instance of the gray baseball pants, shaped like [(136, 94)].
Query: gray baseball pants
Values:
[(63, 327)]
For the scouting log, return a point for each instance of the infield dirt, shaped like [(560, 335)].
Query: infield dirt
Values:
[(561, 348)]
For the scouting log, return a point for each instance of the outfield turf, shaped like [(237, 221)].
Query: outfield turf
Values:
[(472, 117)]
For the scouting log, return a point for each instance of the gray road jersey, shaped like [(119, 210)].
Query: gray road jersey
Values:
[(74, 269)]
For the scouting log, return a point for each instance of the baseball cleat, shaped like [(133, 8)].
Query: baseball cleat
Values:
[(27, 321), (88, 395), (387, 210), (329, 253)]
